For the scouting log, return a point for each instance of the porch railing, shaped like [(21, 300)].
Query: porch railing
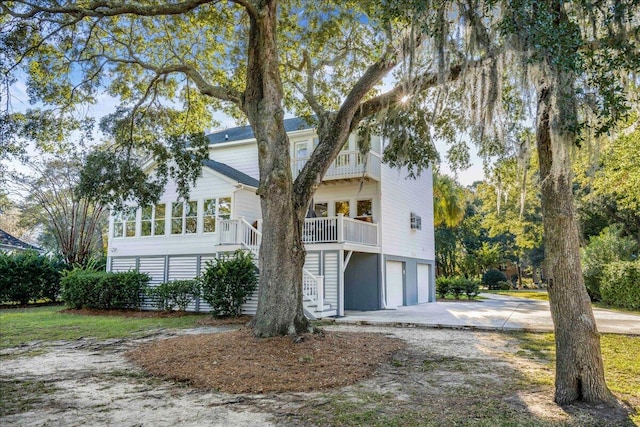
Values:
[(348, 164), (240, 232), (339, 229)]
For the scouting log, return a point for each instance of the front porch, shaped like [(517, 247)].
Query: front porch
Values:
[(339, 234)]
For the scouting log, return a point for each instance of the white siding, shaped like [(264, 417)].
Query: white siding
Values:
[(243, 157), (330, 265), (182, 268), (352, 192), (400, 197), (154, 267), (312, 263), (123, 264), (246, 204), (209, 185)]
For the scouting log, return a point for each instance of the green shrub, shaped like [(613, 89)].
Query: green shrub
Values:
[(104, 290), (442, 286), (227, 283), (177, 293), (492, 278), (471, 288), (609, 246), (504, 286), (620, 286), (457, 286), (28, 276)]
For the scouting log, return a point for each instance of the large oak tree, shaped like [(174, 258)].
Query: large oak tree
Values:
[(256, 58)]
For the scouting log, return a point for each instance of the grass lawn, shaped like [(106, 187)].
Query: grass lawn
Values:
[(621, 355), (19, 326), (524, 293)]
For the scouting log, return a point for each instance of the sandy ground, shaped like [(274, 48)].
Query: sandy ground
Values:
[(94, 384)]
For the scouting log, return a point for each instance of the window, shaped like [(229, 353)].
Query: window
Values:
[(159, 219), (416, 222), (342, 207), (146, 220), (191, 217), (152, 220), (215, 209), (184, 217), (177, 210), (363, 208), (124, 223), (321, 209)]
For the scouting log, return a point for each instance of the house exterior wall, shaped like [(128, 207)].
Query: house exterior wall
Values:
[(209, 185), (362, 286), (362, 282), (399, 198), (242, 156)]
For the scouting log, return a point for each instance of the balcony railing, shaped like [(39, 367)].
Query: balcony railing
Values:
[(348, 164), (340, 230), (335, 229)]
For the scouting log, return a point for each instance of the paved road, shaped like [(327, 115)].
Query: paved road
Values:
[(497, 312)]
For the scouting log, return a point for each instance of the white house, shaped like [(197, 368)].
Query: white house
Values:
[(369, 238)]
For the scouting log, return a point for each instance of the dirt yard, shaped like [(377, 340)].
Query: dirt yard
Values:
[(437, 377)]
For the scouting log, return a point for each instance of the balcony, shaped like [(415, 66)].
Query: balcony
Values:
[(336, 229), (348, 165), (339, 229)]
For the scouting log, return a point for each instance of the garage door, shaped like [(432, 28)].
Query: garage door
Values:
[(423, 283), (395, 281)]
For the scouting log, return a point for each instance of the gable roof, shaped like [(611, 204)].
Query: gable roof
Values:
[(230, 172), (7, 241), (245, 132)]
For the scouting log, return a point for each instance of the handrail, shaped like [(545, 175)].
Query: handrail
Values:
[(339, 229), (240, 231), (348, 164)]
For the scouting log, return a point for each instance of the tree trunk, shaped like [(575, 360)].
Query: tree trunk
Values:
[(282, 254), (579, 367)]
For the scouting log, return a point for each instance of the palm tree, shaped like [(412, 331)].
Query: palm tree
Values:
[(448, 201)]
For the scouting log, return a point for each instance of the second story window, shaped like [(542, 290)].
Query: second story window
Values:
[(342, 207), (184, 217), (215, 209), (364, 208)]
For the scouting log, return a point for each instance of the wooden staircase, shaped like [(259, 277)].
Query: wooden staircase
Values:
[(242, 233)]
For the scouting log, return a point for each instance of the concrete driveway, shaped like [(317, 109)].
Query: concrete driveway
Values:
[(496, 312)]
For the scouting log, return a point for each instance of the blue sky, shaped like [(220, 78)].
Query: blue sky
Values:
[(107, 104)]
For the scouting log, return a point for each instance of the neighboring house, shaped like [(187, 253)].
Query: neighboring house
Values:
[(9, 244), (369, 236)]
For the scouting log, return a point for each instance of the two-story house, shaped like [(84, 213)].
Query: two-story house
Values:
[(369, 233)]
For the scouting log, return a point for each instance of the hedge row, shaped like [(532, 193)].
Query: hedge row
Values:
[(620, 286), (103, 290), (28, 277), (225, 285)]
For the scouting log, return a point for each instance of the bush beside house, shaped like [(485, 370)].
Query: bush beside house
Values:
[(28, 277), (177, 293), (228, 282), (104, 290)]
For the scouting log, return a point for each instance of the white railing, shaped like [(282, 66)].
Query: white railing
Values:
[(240, 232), (360, 232), (320, 230), (313, 288), (348, 164), (339, 229)]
